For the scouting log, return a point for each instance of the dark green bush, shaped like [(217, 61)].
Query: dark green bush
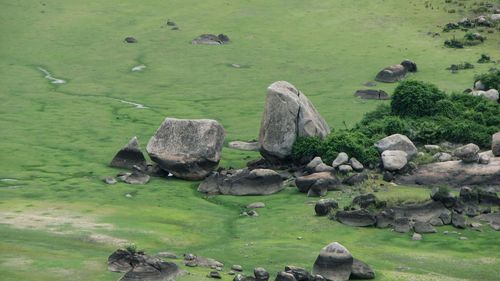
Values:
[(416, 99), (305, 149), (490, 80)]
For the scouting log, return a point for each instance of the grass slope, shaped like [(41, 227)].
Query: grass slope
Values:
[(56, 140)]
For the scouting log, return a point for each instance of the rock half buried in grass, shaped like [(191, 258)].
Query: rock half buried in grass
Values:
[(242, 182), (211, 39), (370, 94), (189, 149), (356, 218), (288, 114), (392, 74), (129, 156), (334, 262)]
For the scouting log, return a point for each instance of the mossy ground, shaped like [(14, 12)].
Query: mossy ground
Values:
[(56, 140)]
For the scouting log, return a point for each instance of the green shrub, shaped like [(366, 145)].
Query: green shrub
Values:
[(306, 148), (490, 80), (416, 99)]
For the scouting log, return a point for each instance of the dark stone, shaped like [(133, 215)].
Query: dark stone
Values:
[(457, 220), (385, 218), (488, 197), (401, 225), (317, 191), (391, 74), (361, 271), (445, 197), (409, 65), (334, 262), (364, 201), (129, 156), (261, 274), (214, 274), (300, 274), (324, 206), (468, 195), (242, 182), (355, 179), (445, 218), (211, 39), (285, 276), (420, 212), (423, 227), (370, 94), (356, 218), (318, 180), (130, 39), (136, 177), (388, 176)]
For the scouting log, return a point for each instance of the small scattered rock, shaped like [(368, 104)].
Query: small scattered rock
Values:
[(416, 237), (110, 180), (256, 205), (130, 39)]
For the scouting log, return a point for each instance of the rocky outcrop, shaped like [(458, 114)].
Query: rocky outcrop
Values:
[(334, 263), (392, 74), (288, 114), (356, 218), (242, 182), (456, 174), (189, 149), (397, 142), (129, 156)]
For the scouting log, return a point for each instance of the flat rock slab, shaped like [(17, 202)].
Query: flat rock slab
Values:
[(456, 173)]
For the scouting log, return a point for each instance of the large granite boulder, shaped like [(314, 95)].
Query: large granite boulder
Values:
[(392, 74), (495, 144), (129, 156), (288, 114), (468, 153), (394, 160), (242, 182), (189, 149), (397, 142), (334, 263), (456, 174)]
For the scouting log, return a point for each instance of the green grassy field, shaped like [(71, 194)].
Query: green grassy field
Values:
[(58, 221)]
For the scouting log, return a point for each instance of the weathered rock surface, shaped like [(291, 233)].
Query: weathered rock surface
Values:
[(397, 142), (341, 159), (242, 182), (394, 160), (211, 39), (423, 227), (243, 145), (456, 174), (129, 156), (334, 262), (495, 144), (355, 179), (285, 276), (261, 274), (136, 177), (493, 219), (468, 153), (356, 165), (401, 225), (189, 149), (288, 114), (370, 94), (356, 218), (361, 271), (391, 74), (324, 180), (324, 206)]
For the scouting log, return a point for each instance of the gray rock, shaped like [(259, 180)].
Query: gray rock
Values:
[(370, 94), (355, 179), (256, 205), (189, 149), (110, 180), (423, 227), (409, 65), (416, 237), (341, 159), (201, 261), (442, 156), (334, 263), (324, 206), (401, 225), (245, 146), (431, 148), (261, 274), (323, 168), (356, 165), (237, 267), (317, 180), (364, 201), (458, 220), (479, 85), (397, 142), (345, 169), (285, 276), (483, 159), (214, 274), (288, 114), (361, 271), (445, 218), (129, 156), (299, 273), (495, 144), (136, 177), (313, 163), (394, 160), (391, 74), (356, 218), (242, 182), (210, 39), (317, 191), (468, 153)]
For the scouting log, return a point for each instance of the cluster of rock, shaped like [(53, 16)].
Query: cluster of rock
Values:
[(139, 266), (396, 151), (480, 90), (479, 21), (318, 178), (444, 209), (396, 72)]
